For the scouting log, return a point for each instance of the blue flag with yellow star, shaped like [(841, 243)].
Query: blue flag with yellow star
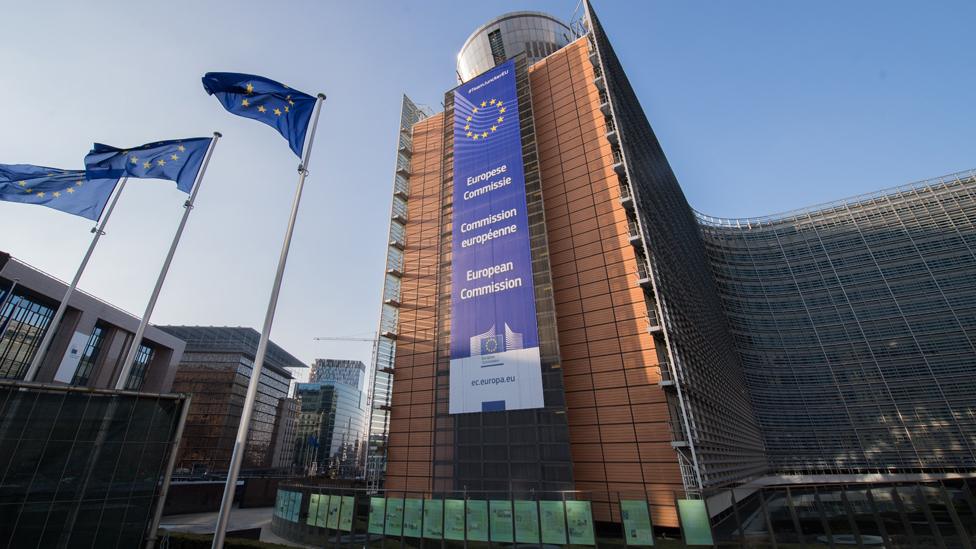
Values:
[(264, 100), (66, 190), (178, 160)]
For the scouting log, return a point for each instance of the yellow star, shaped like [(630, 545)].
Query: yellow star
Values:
[(476, 136), (57, 194), (501, 119), (499, 104), (290, 102), (134, 160), (474, 109), (70, 190), (22, 183), (468, 119), (484, 103), (161, 162), (493, 128), (484, 134), (277, 112), (181, 148), (261, 108), (40, 194), (28, 191), (173, 157), (147, 165), (470, 134), (501, 110), (286, 109), (246, 103), (250, 89), (80, 183), (125, 153), (492, 101), (467, 126)]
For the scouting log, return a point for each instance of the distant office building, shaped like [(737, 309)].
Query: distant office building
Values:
[(91, 341), (332, 421), (557, 317), (285, 431), (215, 370), (330, 370)]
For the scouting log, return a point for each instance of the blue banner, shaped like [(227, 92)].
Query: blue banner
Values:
[(495, 362)]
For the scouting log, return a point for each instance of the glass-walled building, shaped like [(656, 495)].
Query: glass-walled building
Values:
[(680, 355), (216, 370), (856, 325), (90, 343), (332, 421)]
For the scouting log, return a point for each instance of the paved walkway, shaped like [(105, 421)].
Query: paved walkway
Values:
[(240, 519)]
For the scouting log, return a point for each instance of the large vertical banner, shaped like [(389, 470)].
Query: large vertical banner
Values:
[(495, 362)]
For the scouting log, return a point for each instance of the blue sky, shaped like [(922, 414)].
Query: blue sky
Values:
[(761, 106)]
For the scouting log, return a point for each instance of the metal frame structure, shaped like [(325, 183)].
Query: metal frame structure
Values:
[(379, 377)]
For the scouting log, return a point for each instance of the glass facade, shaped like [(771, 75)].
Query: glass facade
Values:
[(713, 426), (216, 369), (89, 356), (856, 323), (330, 429), (380, 380), (81, 468), (138, 373), (23, 321), (534, 34)]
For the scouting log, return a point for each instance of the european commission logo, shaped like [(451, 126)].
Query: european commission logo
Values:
[(485, 119), (490, 343)]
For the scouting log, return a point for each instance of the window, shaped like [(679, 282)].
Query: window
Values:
[(138, 373), (89, 356), (497, 46)]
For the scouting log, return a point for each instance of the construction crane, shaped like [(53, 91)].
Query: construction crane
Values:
[(370, 373)]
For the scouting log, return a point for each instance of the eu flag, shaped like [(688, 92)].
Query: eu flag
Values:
[(264, 100), (178, 160), (66, 190)]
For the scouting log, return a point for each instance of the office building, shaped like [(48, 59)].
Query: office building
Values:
[(332, 420), (285, 431), (670, 355), (81, 464), (91, 340), (215, 371)]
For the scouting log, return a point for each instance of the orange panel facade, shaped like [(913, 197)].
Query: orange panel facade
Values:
[(619, 434)]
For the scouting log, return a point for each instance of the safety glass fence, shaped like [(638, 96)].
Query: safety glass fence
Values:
[(939, 514)]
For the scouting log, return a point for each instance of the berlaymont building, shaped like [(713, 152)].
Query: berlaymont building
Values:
[(564, 336)]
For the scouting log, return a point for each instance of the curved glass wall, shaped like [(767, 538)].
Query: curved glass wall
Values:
[(534, 33), (856, 326)]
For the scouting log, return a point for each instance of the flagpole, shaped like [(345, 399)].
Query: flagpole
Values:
[(56, 320), (130, 356), (220, 529)]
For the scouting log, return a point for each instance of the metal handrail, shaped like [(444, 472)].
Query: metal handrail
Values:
[(856, 200)]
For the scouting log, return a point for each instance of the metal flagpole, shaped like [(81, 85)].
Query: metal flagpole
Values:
[(130, 356), (53, 326), (220, 530)]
